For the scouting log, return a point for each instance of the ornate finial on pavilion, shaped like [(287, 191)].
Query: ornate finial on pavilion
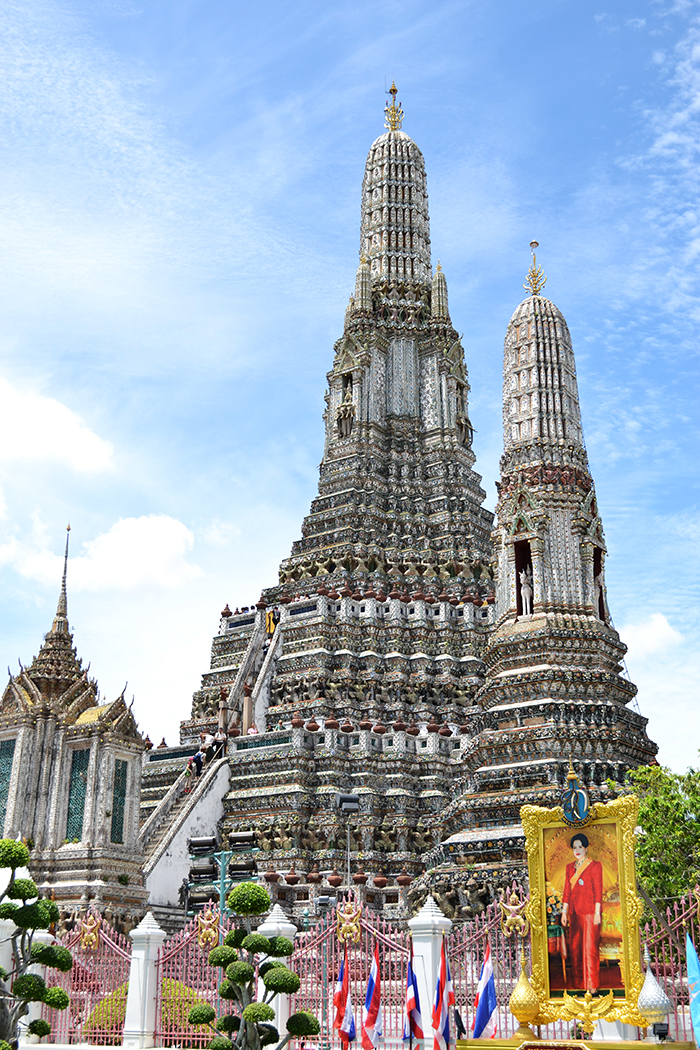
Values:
[(535, 278), (393, 113), (62, 609)]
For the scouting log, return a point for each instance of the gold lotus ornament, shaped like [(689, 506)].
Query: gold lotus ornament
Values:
[(524, 1004)]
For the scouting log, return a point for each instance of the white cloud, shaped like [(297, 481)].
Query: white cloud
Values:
[(34, 427), (650, 637), (150, 551)]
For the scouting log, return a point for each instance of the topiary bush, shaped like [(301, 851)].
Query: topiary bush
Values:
[(250, 1019), (222, 956), (248, 898), (220, 1042), (256, 943), (56, 998), (240, 972), (30, 987), (53, 955), (303, 1023), (280, 947), (282, 980), (22, 890), (203, 1014), (39, 1027)]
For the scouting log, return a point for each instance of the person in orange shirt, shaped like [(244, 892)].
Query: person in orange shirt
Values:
[(581, 913)]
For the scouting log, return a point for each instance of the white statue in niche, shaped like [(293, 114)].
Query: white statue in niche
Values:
[(526, 590)]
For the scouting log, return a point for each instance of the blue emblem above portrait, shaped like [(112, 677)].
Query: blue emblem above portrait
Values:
[(575, 801)]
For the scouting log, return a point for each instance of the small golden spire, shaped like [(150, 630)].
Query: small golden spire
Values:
[(393, 113), (536, 280)]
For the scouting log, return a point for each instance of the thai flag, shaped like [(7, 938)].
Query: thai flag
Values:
[(485, 1023), (372, 1012), (413, 1025), (344, 1016), (444, 999)]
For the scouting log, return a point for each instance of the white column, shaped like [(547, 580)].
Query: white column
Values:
[(140, 1019), (277, 925), (428, 929)]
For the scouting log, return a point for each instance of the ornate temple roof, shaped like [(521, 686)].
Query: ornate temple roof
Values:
[(395, 226), (57, 664)]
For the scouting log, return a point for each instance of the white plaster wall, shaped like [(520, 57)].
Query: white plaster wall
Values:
[(166, 878)]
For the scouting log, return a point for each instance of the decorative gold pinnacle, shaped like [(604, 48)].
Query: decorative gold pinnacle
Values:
[(393, 113), (536, 280)]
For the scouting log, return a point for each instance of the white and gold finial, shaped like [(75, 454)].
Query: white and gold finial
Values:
[(393, 113), (536, 280)]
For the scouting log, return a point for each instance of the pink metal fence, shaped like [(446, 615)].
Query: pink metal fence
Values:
[(97, 985), (186, 979), (317, 959), (666, 943)]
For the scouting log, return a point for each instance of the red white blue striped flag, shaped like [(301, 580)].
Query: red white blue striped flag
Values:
[(444, 999), (344, 1016), (485, 1023), (372, 1012), (413, 1025)]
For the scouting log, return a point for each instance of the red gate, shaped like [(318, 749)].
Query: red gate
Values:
[(317, 959), (97, 984), (666, 943), (186, 979)]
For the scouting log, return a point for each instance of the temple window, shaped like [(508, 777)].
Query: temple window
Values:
[(598, 581), (76, 794), (7, 753), (118, 800)]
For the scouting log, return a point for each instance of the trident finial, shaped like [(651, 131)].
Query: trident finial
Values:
[(393, 113), (536, 280)]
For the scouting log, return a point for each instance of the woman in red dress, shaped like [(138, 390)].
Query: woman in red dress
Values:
[(583, 899)]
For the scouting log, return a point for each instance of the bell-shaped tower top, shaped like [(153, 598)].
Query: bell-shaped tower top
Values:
[(395, 227), (540, 392)]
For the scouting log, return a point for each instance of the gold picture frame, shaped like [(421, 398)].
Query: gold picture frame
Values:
[(610, 830)]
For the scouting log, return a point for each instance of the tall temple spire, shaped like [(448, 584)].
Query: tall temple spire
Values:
[(395, 231), (439, 309), (62, 608)]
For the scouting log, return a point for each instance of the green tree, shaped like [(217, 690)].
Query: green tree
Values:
[(245, 958), (668, 843), (29, 912)]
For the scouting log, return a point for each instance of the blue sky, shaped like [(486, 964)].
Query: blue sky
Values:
[(179, 228)]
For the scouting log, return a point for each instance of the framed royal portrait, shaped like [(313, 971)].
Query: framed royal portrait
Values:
[(584, 911)]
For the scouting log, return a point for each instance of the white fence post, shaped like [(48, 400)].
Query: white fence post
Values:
[(277, 925), (428, 929), (140, 1019)]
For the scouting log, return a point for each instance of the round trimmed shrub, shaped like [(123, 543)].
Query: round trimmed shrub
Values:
[(53, 955), (280, 946), (56, 998), (268, 1034), (13, 854), (220, 1042), (303, 1023), (240, 972), (8, 909), (257, 1012), (282, 980), (234, 938), (229, 1023), (39, 1027), (248, 898), (37, 916), (256, 943), (4, 1045), (3, 974), (31, 987), (228, 990), (22, 890), (222, 956), (107, 1013), (269, 964), (202, 1014)]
